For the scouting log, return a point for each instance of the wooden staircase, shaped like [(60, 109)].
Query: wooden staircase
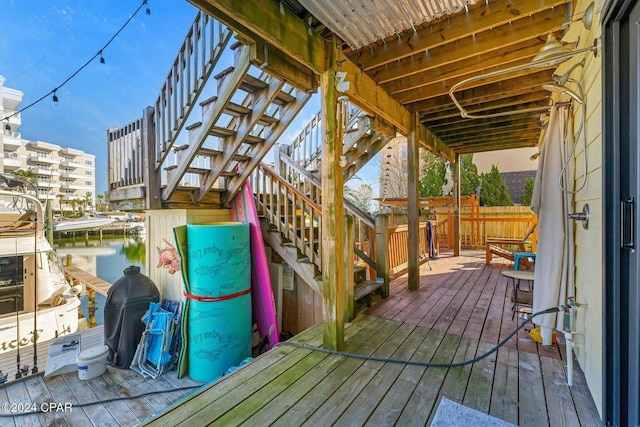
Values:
[(239, 125)]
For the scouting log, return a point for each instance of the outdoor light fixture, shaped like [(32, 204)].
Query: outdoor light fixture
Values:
[(55, 98), (7, 127), (102, 61)]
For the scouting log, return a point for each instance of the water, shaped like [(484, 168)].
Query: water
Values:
[(105, 258)]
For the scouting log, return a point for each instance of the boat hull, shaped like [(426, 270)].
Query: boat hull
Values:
[(50, 323)]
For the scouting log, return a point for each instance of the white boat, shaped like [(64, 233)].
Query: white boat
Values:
[(83, 223), (36, 301)]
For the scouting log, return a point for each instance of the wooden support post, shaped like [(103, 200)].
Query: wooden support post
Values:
[(49, 222), (349, 243), (92, 306), (333, 253), (382, 251), (413, 225), (456, 205), (153, 196)]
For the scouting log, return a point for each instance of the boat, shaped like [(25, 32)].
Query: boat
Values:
[(37, 303), (86, 222)]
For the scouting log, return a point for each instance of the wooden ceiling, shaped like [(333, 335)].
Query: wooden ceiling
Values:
[(416, 68)]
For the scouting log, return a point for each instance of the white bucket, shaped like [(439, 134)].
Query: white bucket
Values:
[(92, 362)]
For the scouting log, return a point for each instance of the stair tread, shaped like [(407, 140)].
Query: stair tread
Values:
[(367, 287), (221, 132), (284, 98), (236, 110), (223, 73), (252, 84)]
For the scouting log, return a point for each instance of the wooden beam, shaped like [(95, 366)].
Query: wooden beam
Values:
[(500, 89), (413, 226), (279, 27), (153, 196), (333, 211), (456, 205), (478, 64), (478, 20), (498, 39)]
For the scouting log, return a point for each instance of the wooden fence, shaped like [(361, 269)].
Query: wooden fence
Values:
[(476, 225)]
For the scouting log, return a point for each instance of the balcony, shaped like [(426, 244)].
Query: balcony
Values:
[(74, 175), (72, 152), (71, 164), (42, 158), (44, 146), (11, 140), (12, 98), (72, 186), (48, 184), (44, 171)]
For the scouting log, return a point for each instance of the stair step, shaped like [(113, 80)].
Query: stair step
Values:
[(252, 139), (252, 84), (210, 152), (284, 98), (236, 110), (267, 120), (208, 101), (229, 174), (222, 74), (221, 132), (367, 288)]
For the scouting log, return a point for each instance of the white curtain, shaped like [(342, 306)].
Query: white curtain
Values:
[(554, 267)]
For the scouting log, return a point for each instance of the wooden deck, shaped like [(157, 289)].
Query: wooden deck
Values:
[(462, 310), (90, 282), (119, 386)]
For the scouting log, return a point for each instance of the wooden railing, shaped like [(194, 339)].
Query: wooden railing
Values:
[(474, 230), (196, 59), (399, 246), (306, 147), (294, 215)]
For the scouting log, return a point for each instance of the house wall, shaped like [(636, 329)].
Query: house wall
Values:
[(588, 243), (160, 224)]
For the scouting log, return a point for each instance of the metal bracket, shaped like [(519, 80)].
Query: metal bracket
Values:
[(581, 216)]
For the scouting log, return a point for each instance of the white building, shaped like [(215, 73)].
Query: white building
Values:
[(66, 176)]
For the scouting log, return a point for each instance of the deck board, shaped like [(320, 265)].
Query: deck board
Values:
[(68, 388), (461, 310)]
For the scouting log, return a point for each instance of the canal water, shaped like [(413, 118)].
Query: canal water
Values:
[(105, 258)]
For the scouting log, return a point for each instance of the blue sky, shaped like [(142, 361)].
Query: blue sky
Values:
[(44, 42)]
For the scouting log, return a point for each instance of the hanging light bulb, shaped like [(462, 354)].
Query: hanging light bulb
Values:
[(102, 61), (148, 11), (7, 127), (55, 98)]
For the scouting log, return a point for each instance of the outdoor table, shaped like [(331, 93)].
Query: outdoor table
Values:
[(515, 276)]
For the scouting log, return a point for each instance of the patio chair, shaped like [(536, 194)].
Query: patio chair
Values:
[(496, 246)]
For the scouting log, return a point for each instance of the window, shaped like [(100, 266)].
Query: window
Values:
[(88, 162), (89, 173), (88, 183)]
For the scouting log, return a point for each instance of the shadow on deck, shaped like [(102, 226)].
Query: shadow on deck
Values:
[(462, 310)]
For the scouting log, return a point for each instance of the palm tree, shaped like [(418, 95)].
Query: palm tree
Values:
[(60, 196), (100, 199)]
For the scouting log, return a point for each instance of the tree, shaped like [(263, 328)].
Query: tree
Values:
[(28, 175), (360, 196), (434, 171), (525, 199), (60, 197), (469, 178), (100, 201), (494, 189)]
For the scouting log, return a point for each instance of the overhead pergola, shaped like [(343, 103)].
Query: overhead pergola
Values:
[(400, 59)]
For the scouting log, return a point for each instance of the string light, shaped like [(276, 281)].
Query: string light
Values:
[(75, 73), (7, 127)]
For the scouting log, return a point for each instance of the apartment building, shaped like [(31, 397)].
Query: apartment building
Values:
[(66, 176)]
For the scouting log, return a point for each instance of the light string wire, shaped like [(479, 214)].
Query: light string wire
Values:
[(99, 53)]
